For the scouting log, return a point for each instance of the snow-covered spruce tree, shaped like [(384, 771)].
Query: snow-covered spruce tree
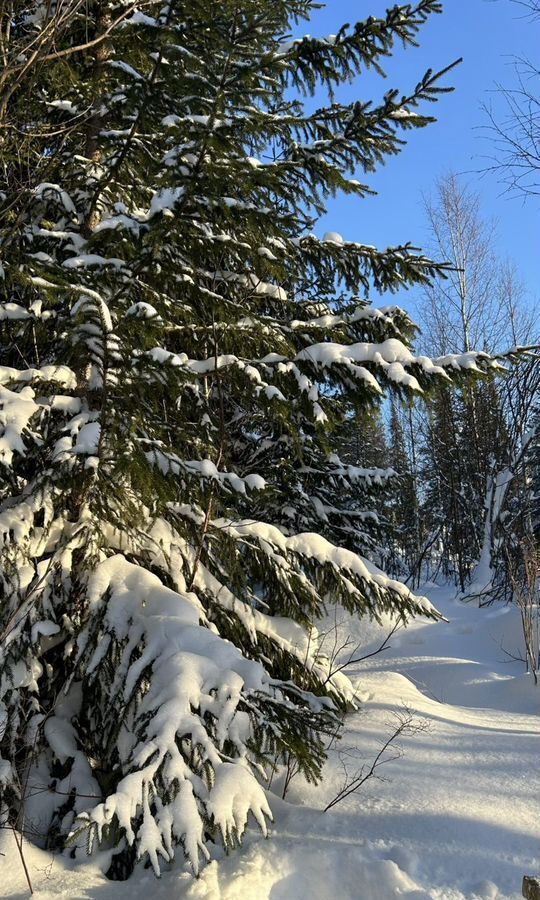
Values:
[(403, 502), (360, 444), (173, 371)]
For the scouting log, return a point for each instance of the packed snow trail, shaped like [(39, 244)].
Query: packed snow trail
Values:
[(457, 817)]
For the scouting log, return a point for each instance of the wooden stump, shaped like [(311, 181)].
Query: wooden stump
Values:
[(531, 887)]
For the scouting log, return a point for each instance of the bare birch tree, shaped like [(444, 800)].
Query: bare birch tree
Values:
[(462, 311)]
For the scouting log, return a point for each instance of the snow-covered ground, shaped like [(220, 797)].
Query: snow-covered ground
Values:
[(457, 817)]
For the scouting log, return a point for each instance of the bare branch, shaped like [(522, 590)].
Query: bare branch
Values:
[(403, 724)]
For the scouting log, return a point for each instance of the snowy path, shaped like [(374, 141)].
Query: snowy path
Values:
[(456, 818), (459, 814)]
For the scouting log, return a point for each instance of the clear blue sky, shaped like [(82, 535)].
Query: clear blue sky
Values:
[(487, 34)]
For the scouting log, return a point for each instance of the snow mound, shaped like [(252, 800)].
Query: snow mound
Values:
[(291, 867)]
